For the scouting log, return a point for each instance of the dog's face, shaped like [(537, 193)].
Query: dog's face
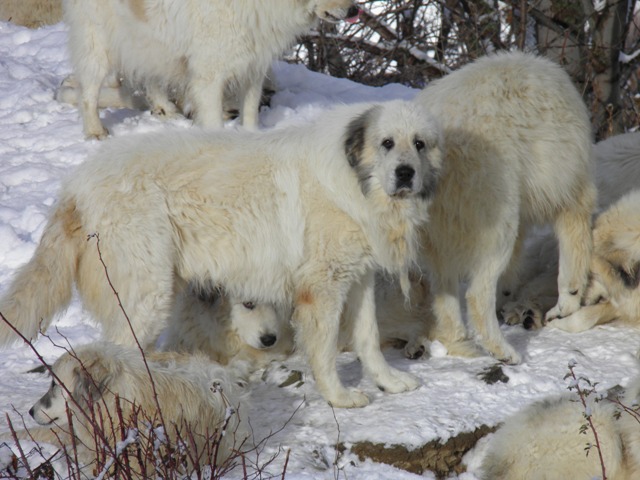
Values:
[(257, 324), (84, 378), (397, 146), (336, 10), (52, 406)]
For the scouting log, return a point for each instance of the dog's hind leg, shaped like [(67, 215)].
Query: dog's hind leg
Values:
[(207, 98), (481, 304), (142, 277), (449, 328), (360, 313), (158, 98), (251, 103), (575, 244), (510, 281)]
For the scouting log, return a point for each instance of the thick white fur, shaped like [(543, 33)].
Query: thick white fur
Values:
[(543, 442), (202, 46), (518, 152), (194, 396), (31, 13), (299, 216), (227, 329)]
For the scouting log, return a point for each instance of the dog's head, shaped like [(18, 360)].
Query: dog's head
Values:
[(615, 263), (336, 10), (396, 146), (81, 377), (257, 324)]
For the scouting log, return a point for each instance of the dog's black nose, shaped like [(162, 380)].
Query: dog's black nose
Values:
[(268, 339), (31, 412), (353, 11), (404, 175), (528, 323)]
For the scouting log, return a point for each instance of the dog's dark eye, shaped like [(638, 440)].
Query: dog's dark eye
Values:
[(249, 305), (388, 143), (419, 144)]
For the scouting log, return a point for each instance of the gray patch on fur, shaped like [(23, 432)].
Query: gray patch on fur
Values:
[(354, 147)]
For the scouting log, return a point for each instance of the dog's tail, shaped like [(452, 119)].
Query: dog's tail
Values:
[(44, 285)]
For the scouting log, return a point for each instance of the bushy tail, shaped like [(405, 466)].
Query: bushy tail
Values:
[(43, 286)]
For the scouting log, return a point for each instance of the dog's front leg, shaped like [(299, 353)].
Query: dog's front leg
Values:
[(587, 318), (360, 313), (316, 317)]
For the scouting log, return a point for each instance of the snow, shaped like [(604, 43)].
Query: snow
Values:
[(41, 140)]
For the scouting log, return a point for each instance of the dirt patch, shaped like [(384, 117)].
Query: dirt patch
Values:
[(442, 459)]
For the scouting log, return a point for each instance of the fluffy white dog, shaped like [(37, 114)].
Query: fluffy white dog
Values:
[(545, 441), (301, 216), (193, 399), (202, 46), (227, 329), (518, 152)]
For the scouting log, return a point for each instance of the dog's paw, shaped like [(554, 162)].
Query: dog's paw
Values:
[(347, 398), (97, 135), (464, 348), (510, 313), (573, 323), (567, 304), (527, 313), (505, 353), (416, 348), (397, 382)]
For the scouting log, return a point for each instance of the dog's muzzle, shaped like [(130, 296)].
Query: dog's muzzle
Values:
[(404, 177)]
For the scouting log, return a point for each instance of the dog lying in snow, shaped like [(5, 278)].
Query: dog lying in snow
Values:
[(545, 441), (194, 400)]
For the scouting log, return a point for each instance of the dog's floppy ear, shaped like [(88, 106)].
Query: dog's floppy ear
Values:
[(356, 135), (630, 277), (92, 378)]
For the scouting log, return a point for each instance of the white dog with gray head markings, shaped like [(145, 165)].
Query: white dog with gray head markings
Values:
[(201, 47), (299, 216), (110, 389)]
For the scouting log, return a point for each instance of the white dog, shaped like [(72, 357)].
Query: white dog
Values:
[(545, 441), (203, 46), (190, 397), (301, 216), (226, 329), (518, 152)]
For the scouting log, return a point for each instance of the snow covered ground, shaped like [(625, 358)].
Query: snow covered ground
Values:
[(41, 141)]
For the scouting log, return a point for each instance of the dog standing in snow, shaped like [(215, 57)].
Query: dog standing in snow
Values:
[(300, 216), (518, 152), (201, 46)]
